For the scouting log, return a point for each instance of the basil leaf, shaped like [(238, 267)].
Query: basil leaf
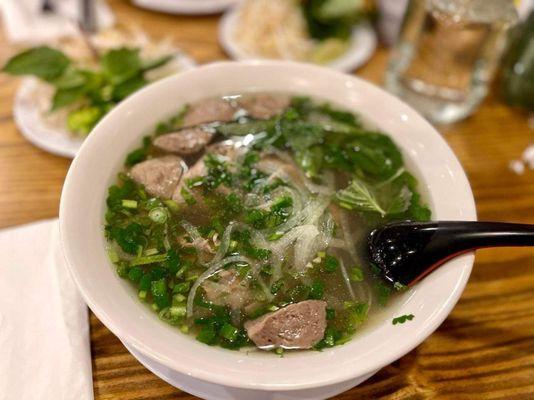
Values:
[(128, 87), (43, 62), (121, 64), (70, 78), (64, 97)]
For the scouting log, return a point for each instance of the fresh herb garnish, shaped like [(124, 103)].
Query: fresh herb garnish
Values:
[(402, 319), (92, 93)]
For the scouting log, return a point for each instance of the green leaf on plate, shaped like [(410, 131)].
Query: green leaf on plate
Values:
[(126, 88), (64, 97), (70, 78), (43, 62), (121, 64)]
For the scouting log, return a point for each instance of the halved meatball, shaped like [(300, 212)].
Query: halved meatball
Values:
[(210, 110), (264, 106), (296, 326), (185, 142), (160, 176)]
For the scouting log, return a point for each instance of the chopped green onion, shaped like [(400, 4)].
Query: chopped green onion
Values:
[(154, 307), (122, 270), (135, 274), (184, 329), (276, 286), (356, 274), (129, 203), (142, 294), (177, 311), (188, 197), (148, 260), (151, 252), (158, 215), (402, 319), (113, 256), (207, 335), (317, 290), (331, 263), (182, 287), (179, 298), (232, 246), (275, 236), (172, 205), (330, 314), (229, 332)]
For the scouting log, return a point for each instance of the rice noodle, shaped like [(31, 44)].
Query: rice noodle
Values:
[(212, 270)]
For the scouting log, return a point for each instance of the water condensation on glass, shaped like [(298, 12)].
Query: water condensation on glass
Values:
[(447, 54)]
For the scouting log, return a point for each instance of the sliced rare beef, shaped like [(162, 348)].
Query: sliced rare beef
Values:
[(160, 176), (186, 142), (210, 110), (296, 326), (264, 106)]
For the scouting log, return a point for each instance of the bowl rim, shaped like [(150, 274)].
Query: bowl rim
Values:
[(68, 225)]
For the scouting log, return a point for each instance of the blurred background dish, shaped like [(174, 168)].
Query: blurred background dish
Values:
[(61, 130), (333, 33), (191, 7)]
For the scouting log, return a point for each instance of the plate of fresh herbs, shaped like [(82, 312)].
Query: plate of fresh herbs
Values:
[(62, 99)]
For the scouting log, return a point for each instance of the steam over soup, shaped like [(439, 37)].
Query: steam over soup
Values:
[(243, 219)]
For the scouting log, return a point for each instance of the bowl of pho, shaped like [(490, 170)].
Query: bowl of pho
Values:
[(217, 221)]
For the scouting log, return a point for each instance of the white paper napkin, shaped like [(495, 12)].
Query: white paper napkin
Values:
[(24, 21), (44, 329)]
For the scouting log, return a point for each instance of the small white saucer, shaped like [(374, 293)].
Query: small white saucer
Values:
[(362, 44), (29, 119), (190, 7)]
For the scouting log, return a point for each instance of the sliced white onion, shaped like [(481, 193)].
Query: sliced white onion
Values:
[(346, 279), (223, 246), (212, 270)]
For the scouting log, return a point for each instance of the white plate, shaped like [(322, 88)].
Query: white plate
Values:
[(191, 7), (32, 125), (362, 44)]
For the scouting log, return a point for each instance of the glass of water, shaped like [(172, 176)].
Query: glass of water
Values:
[(447, 54)]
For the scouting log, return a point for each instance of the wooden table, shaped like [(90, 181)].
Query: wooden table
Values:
[(484, 350)]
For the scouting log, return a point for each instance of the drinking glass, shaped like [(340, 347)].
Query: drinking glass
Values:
[(447, 54)]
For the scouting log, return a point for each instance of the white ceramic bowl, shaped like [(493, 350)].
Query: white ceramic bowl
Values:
[(300, 374)]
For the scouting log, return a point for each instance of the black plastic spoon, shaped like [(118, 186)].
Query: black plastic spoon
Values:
[(405, 252)]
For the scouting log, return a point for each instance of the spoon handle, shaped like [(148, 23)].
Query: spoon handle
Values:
[(452, 238), (409, 251), (465, 235)]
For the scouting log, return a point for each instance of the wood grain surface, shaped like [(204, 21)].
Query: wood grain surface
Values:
[(484, 350)]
